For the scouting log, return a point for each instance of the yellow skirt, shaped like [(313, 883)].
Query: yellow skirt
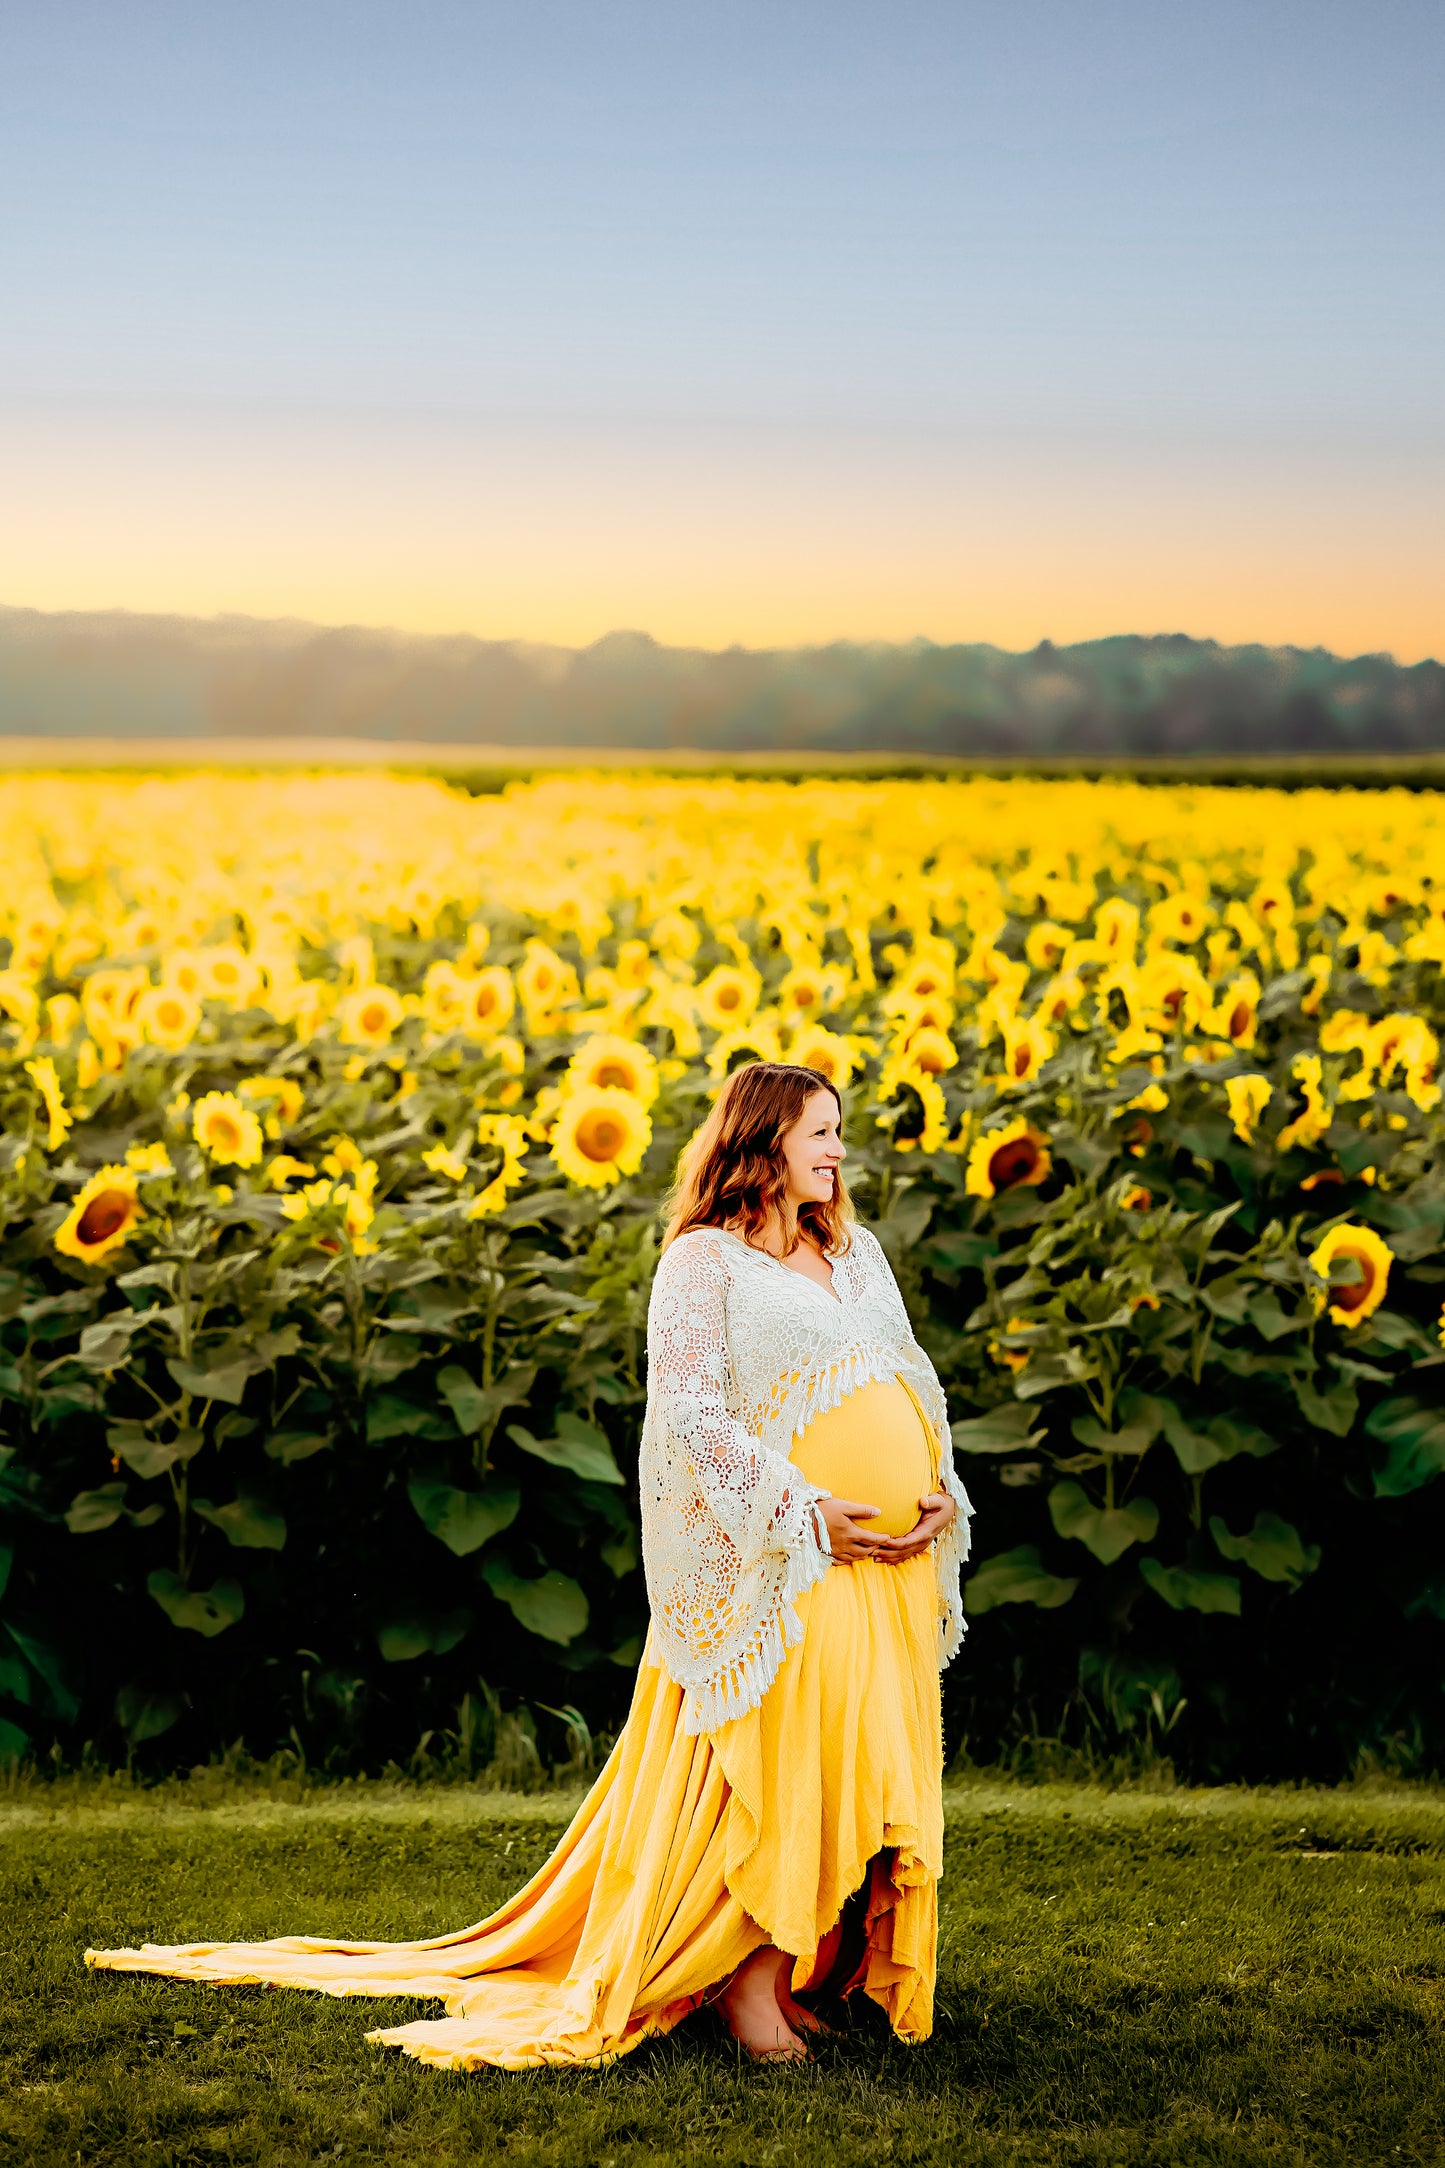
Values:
[(690, 1852)]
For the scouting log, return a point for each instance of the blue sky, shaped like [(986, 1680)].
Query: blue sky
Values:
[(449, 312)]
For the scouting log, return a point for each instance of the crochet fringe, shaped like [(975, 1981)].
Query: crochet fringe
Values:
[(742, 1358)]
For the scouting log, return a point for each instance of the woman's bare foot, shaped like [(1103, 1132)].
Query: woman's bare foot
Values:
[(753, 2012), (800, 2019)]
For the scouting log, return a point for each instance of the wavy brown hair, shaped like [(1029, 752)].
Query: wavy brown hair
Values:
[(733, 1173)]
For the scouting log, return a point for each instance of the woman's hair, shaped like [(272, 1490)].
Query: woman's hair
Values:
[(733, 1173)]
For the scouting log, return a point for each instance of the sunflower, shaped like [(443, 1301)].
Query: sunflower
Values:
[(442, 1160), (343, 1156), (442, 995), (228, 1132), (302, 1203), (506, 1065), (931, 1051), (229, 974), (1179, 917), (510, 1132), (1393, 1040), (284, 1169), (932, 1012), (728, 996), (1017, 1358), (63, 1014), (1171, 991), (828, 1052), (1061, 999), (486, 1002), (1066, 899), (1132, 1044), (1116, 929), (1420, 1081), (353, 1199), (1016, 1157), (751, 1042), (1046, 944), (634, 963), (674, 934), (1237, 1012), (608, 1063), (183, 968), (283, 1092), (545, 984), (1248, 1097), (1307, 1128), (671, 1007), (599, 1135), (1403, 1042), (109, 997), (1027, 1045), (1004, 975), (1317, 970), (369, 1016), (806, 992), (929, 978), (169, 1016), (1347, 1031), (921, 1124), (102, 1216), (59, 1123), (1351, 1301), (149, 1159)]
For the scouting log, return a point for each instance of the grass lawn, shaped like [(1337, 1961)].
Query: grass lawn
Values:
[(1126, 1977)]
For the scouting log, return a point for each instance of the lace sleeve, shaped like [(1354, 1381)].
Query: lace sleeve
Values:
[(758, 1499)]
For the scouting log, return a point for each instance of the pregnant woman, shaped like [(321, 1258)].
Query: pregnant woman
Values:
[(768, 1830)]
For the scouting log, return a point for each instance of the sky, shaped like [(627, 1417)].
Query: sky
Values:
[(735, 321)]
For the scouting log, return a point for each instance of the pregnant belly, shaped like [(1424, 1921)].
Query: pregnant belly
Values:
[(873, 1446)]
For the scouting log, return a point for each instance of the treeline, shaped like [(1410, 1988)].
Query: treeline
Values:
[(83, 674)]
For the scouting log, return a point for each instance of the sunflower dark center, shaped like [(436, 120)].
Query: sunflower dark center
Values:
[(104, 1216), (1012, 1162), (1350, 1297), (602, 1138), (911, 1120)]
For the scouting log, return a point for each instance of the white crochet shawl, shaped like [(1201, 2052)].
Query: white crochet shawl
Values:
[(742, 1353)]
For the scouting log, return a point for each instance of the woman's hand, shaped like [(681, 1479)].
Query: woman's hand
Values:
[(936, 1510), (848, 1542)]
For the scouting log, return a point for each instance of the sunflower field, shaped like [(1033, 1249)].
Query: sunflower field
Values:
[(338, 1112)]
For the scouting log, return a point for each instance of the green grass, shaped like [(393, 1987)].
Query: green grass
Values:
[(1127, 1977)]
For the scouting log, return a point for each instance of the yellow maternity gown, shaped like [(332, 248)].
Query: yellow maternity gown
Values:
[(690, 1852)]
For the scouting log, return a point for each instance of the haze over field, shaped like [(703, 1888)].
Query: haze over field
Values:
[(80, 674)]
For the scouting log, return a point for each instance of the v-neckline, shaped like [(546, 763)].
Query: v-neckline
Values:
[(829, 1293)]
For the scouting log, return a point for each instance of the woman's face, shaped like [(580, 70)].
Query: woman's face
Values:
[(813, 1149)]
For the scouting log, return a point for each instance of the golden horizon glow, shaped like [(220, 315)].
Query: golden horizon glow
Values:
[(707, 545)]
